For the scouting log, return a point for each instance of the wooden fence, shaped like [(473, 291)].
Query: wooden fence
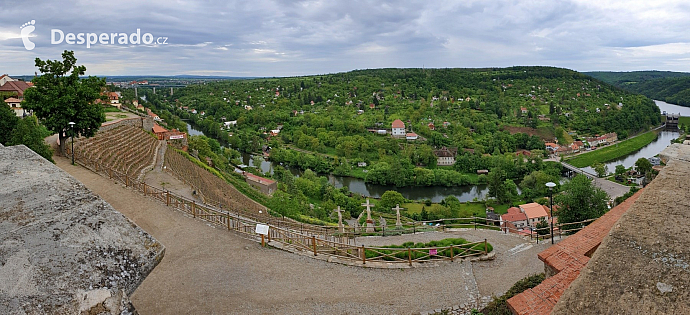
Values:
[(301, 237)]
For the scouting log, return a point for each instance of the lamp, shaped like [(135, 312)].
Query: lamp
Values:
[(71, 125), (551, 185)]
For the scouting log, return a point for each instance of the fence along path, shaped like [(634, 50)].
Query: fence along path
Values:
[(287, 234)]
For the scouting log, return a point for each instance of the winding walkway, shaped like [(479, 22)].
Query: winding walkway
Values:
[(209, 270)]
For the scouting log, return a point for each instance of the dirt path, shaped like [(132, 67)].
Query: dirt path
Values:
[(208, 270)]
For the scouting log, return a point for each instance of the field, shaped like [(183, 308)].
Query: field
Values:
[(685, 121), (543, 133), (613, 151)]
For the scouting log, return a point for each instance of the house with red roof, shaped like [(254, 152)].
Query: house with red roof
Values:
[(398, 128), (534, 212), (411, 136), (264, 185), (17, 87), (515, 217)]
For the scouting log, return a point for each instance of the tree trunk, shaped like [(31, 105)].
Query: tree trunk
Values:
[(63, 138)]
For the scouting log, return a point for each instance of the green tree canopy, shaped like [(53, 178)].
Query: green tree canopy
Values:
[(643, 165), (60, 96), (389, 199), (8, 120), (28, 133), (580, 201)]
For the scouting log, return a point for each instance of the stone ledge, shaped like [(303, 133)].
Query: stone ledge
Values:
[(62, 248)]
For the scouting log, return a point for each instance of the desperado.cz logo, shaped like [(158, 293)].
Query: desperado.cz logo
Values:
[(57, 36)]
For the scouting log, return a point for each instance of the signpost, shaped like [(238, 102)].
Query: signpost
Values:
[(263, 230)]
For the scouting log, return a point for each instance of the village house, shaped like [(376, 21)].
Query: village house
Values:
[(523, 110), (14, 87), (411, 136), (264, 185), (535, 213), (431, 126), (445, 156), (16, 106), (550, 146), (398, 128), (515, 217)]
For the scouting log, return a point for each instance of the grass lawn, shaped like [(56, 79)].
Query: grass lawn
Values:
[(614, 151), (685, 121), (417, 207)]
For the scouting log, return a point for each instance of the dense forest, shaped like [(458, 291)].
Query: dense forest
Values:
[(671, 87), (329, 123), (332, 124)]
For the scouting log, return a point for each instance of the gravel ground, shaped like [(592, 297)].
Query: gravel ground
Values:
[(209, 270), (516, 257)]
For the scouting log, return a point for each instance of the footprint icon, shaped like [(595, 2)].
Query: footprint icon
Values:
[(27, 28)]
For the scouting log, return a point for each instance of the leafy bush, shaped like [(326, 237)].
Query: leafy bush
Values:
[(440, 243), (499, 306)]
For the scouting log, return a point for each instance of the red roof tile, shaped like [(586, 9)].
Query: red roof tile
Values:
[(398, 124)]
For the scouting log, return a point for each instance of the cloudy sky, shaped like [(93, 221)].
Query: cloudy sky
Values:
[(285, 38)]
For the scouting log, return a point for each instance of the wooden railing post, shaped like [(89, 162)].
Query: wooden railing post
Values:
[(313, 242), (451, 253), (486, 247), (228, 222), (144, 189), (167, 198), (364, 256), (409, 256), (263, 242), (126, 180), (194, 209)]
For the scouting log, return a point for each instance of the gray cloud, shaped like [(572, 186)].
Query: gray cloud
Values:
[(282, 37)]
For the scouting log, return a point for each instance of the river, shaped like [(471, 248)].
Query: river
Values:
[(673, 108), (652, 149)]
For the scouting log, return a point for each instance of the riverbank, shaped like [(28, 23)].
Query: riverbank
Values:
[(613, 151)]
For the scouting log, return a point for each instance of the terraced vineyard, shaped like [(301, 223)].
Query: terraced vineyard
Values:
[(125, 149), (213, 189)]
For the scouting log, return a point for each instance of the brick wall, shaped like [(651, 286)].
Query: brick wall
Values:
[(563, 262)]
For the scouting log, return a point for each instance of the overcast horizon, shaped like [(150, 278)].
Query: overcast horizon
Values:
[(268, 38)]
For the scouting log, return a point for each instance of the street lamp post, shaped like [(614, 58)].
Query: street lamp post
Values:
[(71, 125), (551, 185)]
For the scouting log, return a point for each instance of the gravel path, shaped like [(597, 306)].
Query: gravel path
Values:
[(209, 270), (516, 257)]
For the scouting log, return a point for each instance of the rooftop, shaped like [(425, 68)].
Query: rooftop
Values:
[(533, 210)]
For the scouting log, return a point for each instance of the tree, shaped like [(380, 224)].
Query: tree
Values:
[(496, 183), (389, 199), (620, 170), (28, 133), (542, 227), (8, 120), (580, 201), (59, 96), (601, 169), (643, 165)]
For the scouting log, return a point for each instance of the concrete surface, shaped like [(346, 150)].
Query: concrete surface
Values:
[(63, 250)]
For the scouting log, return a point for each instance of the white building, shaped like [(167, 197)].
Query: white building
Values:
[(398, 128)]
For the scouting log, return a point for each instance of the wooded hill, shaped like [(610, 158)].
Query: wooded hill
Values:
[(476, 103), (671, 87)]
